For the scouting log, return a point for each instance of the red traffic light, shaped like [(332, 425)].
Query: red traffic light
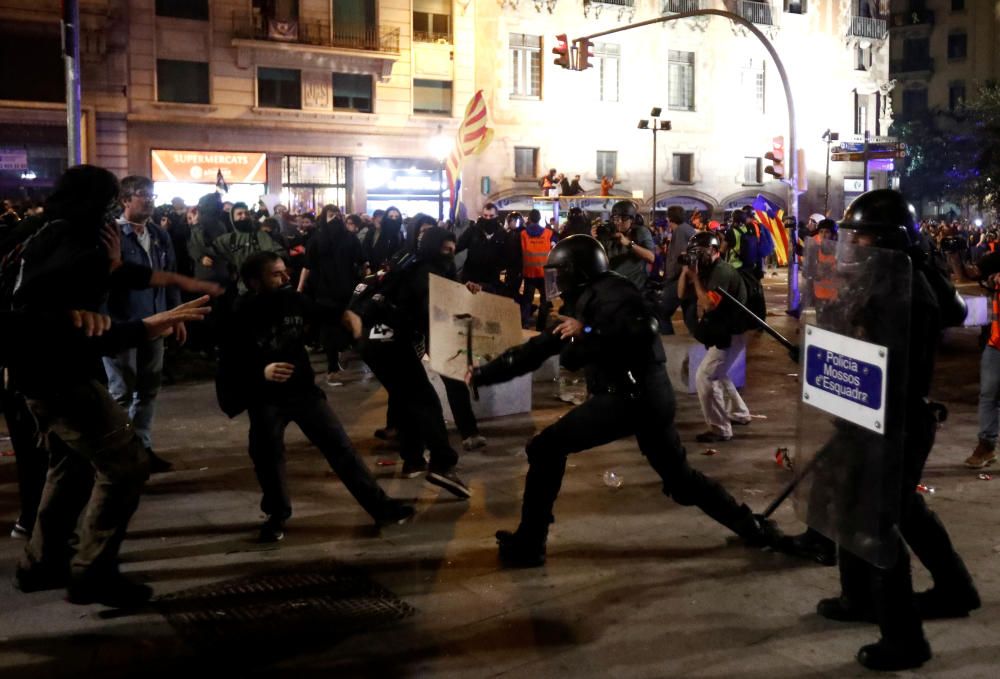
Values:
[(562, 52), (584, 53)]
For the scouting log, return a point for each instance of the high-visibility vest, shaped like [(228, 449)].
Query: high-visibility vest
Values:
[(995, 323), (823, 287), (534, 252)]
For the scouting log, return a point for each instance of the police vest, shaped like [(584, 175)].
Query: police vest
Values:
[(534, 252)]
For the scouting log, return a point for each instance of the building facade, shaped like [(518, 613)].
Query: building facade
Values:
[(340, 101)]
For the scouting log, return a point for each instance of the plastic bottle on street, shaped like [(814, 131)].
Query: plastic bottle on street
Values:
[(612, 480)]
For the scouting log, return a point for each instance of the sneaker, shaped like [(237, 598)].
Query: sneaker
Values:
[(937, 603), (413, 469), (842, 609), (894, 657), (333, 381), (40, 578), (114, 590), (450, 481), (711, 437), (157, 465), (516, 551), (386, 433), (394, 512), (983, 456), (273, 530), (19, 532), (474, 442)]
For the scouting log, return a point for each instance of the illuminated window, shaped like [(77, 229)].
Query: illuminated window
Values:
[(525, 162), (680, 81), (182, 82), (525, 66)]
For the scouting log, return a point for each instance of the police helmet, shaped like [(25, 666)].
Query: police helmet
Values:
[(625, 209), (575, 261), (884, 215), (704, 239)]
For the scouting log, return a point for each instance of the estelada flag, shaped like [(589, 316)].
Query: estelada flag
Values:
[(770, 216), (472, 138), (220, 182)]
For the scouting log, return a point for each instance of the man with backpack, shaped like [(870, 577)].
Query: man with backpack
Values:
[(719, 327)]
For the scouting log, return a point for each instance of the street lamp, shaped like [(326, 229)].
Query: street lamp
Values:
[(440, 147), (656, 125), (829, 137)]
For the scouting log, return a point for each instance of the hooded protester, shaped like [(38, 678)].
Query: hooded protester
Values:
[(246, 239), (208, 266), (383, 242), (488, 251)]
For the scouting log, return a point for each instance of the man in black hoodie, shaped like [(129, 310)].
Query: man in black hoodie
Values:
[(488, 257), (385, 240), (265, 369)]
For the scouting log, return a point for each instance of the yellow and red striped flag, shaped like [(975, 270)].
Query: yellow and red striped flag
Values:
[(771, 217), (472, 138)]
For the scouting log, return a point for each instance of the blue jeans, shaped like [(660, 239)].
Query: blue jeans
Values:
[(134, 378), (989, 395)]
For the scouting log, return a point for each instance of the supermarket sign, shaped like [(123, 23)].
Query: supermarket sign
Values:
[(202, 167)]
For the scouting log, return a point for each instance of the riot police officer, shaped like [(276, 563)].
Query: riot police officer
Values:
[(883, 219), (607, 329)]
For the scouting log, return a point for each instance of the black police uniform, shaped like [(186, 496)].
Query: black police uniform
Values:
[(631, 395)]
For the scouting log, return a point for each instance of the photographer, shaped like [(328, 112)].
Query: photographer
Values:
[(719, 328), (628, 243)]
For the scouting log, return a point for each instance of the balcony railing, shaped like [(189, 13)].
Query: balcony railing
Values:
[(614, 3), (867, 27), (678, 6), (371, 38), (920, 17), (756, 12), (912, 66), (426, 36)]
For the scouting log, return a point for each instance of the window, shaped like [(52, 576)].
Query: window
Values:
[(795, 6), (914, 101), (957, 45), (753, 170), (279, 88), (863, 58), (753, 83), (525, 162), (607, 163), (956, 95), (957, 5), (607, 56), (352, 92), (683, 167), (680, 81), (525, 66), (182, 82), (432, 96), (431, 20), (862, 105), (183, 9)]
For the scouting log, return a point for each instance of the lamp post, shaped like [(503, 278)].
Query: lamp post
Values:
[(440, 146), (829, 137), (656, 125)]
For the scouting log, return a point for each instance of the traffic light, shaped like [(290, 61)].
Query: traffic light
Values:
[(584, 53), (777, 157), (562, 52)]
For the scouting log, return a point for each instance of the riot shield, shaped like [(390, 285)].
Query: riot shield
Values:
[(851, 414)]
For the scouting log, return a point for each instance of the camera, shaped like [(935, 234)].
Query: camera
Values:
[(688, 259), (606, 231)]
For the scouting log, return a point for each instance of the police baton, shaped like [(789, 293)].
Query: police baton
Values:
[(785, 342), (468, 349)]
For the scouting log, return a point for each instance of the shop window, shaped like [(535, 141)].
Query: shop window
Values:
[(310, 182), (683, 167), (753, 170), (607, 164), (182, 82), (183, 9), (680, 81), (432, 96), (956, 95), (525, 162), (957, 46), (352, 92), (431, 20), (279, 88), (525, 66)]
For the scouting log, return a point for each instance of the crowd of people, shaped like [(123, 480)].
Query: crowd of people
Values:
[(96, 283)]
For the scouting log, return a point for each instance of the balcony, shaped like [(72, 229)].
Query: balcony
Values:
[(921, 17), (624, 8), (678, 6), (913, 67), (316, 33), (427, 36), (869, 28), (757, 12)]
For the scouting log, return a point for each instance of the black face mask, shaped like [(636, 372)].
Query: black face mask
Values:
[(244, 225), (490, 226)]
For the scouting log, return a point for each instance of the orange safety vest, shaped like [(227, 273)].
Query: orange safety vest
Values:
[(534, 252), (995, 324), (823, 288)]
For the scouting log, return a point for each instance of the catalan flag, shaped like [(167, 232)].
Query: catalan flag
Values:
[(770, 217), (472, 138)]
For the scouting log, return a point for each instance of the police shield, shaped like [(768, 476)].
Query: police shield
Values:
[(851, 420)]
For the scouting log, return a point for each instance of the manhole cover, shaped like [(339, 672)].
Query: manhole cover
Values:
[(282, 610)]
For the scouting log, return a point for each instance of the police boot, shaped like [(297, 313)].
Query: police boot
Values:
[(855, 601), (810, 545), (885, 656), (758, 531), (517, 550)]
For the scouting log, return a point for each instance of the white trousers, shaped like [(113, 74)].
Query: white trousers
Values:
[(720, 402)]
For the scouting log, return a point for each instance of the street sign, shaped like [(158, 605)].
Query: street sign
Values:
[(13, 159), (872, 155), (845, 377)]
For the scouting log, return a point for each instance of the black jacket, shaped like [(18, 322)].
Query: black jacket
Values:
[(488, 255)]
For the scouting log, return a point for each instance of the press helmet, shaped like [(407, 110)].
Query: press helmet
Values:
[(624, 208), (574, 261), (884, 215), (704, 239)]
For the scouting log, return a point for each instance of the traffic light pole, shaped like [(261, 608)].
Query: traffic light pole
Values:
[(71, 59), (793, 265)]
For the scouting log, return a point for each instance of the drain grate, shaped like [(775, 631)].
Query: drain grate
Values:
[(284, 611)]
